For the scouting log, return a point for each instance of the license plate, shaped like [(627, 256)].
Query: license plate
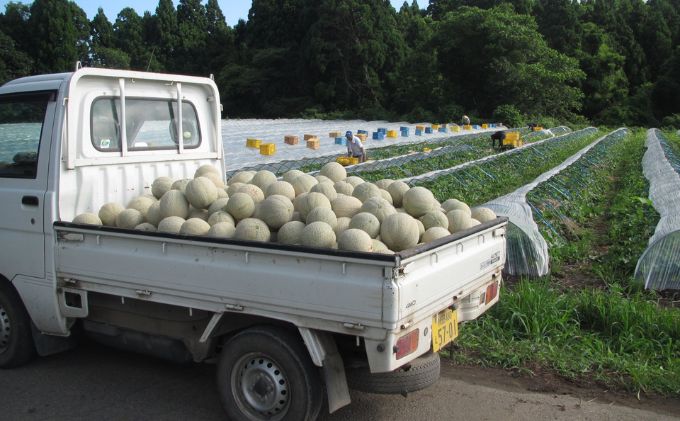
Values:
[(444, 328)]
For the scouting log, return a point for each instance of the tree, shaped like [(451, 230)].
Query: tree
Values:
[(13, 62), (128, 37), (558, 22), (192, 25)]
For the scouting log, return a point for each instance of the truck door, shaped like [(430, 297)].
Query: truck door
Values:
[(25, 131)]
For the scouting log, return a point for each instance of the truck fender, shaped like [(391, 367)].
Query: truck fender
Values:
[(324, 353)]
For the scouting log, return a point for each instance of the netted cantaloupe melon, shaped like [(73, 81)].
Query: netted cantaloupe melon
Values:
[(387, 196), (180, 185), (421, 228), (204, 169), (108, 212), (222, 193), (397, 190), (87, 218), (194, 226), (171, 224), (435, 219), (233, 188), (355, 240), (323, 179), (334, 171), (283, 188), (216, 179), (326, 189), (399, 232), (198, 213), (455, 204), (312, 200), (222, 230), (129, 218), (483, 214), (324, 215), (379, 207), (303, 183), (346, 206), (341, 225), (318, 234), (434, 233), (201, 192), (343, 187), (218, 205), (153, 214), (418, 201), (160, 186), (221, 216), (290, 233), (380, 247), (174, 203), (291, 175), (354, 180), (263, 179), (145, 226), (253, 191), (240, 206), (365, 191), (141, 203), (252, 229), (275, 211), (367, 222), (384, 183), (460, 220), (243, 177)]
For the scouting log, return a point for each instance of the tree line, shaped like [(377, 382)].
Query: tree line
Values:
[(605, 61)]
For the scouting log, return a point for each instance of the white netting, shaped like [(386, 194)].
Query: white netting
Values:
[(527, 249), (659, 265)]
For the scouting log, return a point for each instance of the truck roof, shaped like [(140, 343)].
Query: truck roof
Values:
[(53, 77)]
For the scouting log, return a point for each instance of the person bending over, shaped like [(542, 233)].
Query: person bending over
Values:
[(354, 147)]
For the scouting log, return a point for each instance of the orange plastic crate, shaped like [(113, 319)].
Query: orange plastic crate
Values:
[(334, 134), (313, 143), (291, 140), (310, 136)]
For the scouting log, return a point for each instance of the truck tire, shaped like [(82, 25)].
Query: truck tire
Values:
[(16, 340), (265, 373), (422, 372)]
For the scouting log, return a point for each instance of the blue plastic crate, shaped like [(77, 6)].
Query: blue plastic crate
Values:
[(443, 129), (362, 131), (404, 132), (340, 141), (419, 132), (378, 136), (428, 130), (382, 130), (476, 127)]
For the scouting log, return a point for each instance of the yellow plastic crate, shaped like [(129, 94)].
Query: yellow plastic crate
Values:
[(426, 150), (347, 160), (538, 128), (291, 140), (267, 149), (362, 136), (392, 133), (253, 143), (435, 127), (455, 128), (467, 127), (313, 143), (310, 136), (421, 128), (485, 126)]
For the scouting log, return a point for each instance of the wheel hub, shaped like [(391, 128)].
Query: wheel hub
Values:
[(5, 329), (261, 387)]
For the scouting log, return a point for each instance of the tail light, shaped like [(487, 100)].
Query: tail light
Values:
[(491, 292), (407, 344)]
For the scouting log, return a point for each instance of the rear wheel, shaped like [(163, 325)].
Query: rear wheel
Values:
[(16, 340), (420, 373), (266, 374)]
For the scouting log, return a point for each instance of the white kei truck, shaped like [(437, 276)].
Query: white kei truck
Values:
[(290, 328)]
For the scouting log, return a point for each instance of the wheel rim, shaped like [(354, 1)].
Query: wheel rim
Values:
[(5, 329), (260, 387)]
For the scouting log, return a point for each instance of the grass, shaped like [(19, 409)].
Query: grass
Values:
[(614, 334)]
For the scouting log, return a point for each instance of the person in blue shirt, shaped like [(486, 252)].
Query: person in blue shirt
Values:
[(354, 147)]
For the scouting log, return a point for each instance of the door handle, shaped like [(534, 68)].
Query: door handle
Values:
[(30, 201)]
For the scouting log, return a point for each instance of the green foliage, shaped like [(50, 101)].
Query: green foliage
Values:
[(671, 121), (509, 115)]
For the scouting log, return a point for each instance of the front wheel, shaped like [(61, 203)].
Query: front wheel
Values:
[(16, 340), (265, 373)]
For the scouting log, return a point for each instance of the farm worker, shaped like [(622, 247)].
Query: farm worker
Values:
[(498, 136), (465, 120), (354, 147), (532, 126)]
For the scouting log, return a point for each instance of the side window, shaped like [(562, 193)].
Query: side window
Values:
[(150, 124), (21, 125)]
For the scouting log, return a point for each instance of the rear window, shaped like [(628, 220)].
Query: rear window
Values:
[(150, 124)]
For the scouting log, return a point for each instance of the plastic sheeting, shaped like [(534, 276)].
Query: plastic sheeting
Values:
[(659, 265), (527, 250)]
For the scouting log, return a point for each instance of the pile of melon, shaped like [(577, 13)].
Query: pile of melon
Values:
[(329, 210)]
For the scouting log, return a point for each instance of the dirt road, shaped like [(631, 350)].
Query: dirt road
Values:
[(95, 383)]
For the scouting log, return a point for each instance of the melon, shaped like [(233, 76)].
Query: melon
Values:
[(87, 218), (326, 189), (366, 222), (253, 191), (283, 188), (291, 175), (380, 247), (243, 177), (194, 226), (346, 206), (290, 232), (160, 186), (459, 220), (397, 190), (180, 185), (311, 201), (387, 196), (145, 226), (141, 203), (233, 188), (324, 215), (384, 183), (418, 201), (318, 234), (341, 225), (334, 171), (263, 179), (453, 204), (218, 205), (434, 233), (355, 240), (222, 230), (219, 217), (435, 219), (108, 212), (252, 229), (171, 224), (240, 206), (379, 207), (153, 214), (222, 193), (296, 216), (343, 187), (323, 179), (275, 211), (198, 213), (215, 178), (366, 190), (204, 169), (303, 183), (483, 214), (129, 218), (200, 192), (421, 228), (399, 231), (354, 180), (174, 203)]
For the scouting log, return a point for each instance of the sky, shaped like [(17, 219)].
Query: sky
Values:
[(233, 9)]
